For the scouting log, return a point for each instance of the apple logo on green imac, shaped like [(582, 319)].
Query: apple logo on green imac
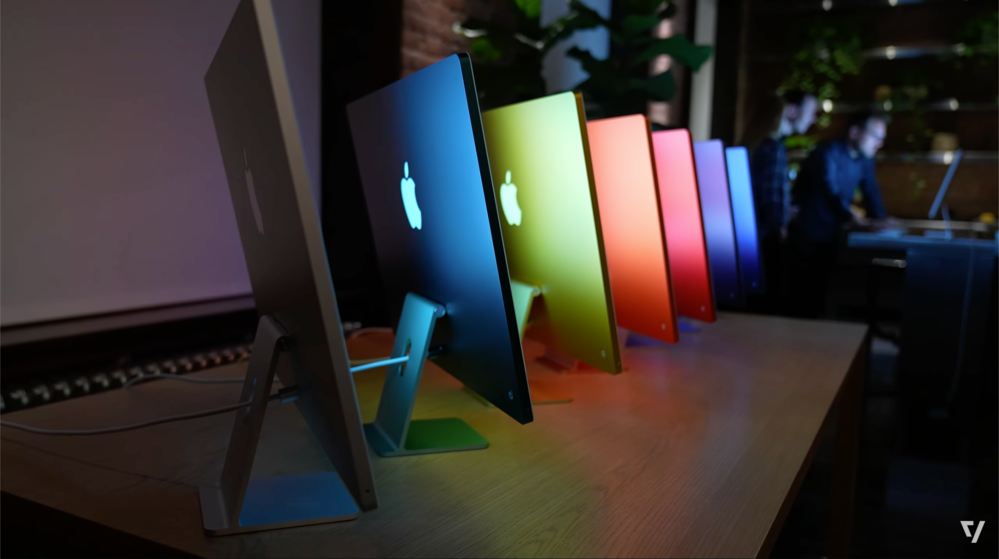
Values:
[(254, 204), (408, 186), (508, 199)]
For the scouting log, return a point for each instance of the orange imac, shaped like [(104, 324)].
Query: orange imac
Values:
[(632, 224), (681, 210)]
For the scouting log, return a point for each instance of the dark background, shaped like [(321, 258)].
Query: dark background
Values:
[(919, 475)]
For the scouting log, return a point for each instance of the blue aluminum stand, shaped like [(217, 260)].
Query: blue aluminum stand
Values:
[(394, 432)]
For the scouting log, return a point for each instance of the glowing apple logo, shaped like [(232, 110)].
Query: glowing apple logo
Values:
[(253, 195), (508, 199), (408, 187)]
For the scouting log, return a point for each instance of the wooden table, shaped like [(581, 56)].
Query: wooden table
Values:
[(697, 449)]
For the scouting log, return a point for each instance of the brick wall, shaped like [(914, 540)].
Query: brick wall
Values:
[(426, 29)]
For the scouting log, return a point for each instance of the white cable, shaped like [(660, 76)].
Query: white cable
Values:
[(171, 376), (356, 365)]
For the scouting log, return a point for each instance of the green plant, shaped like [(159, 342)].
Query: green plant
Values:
[(911, 91), (826, 55), (621, 84), (978, 40), (918, 182), (508, 56), (800, 141)]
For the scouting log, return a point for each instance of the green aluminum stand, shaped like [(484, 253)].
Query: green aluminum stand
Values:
[(394, 432), (523, 300)]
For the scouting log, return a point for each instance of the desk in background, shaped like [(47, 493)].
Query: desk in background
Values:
[(948, 293), (696, 450)]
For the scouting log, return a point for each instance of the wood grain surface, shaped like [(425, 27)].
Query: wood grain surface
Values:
[(694, 451)]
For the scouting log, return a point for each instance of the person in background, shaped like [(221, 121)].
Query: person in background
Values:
[(775, 119), (824, 191)]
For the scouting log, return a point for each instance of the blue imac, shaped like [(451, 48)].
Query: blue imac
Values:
[(740, 186), (421, 153)]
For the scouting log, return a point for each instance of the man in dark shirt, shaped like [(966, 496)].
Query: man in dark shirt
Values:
[(825, 189), (775, 119), (768, 164), (831, 175)]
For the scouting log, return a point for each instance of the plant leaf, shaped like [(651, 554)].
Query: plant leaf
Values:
[(633, 25), (530, 8), (660, 87), (484, 48), (679, 49), (581, 8), (643, 7), (593, 66), (580, 17)]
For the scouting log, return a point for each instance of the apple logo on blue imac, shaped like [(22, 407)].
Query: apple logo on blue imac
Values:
[(408, 187), (508, 199), (254, 204)]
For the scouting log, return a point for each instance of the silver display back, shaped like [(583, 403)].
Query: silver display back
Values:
[(270, 186)]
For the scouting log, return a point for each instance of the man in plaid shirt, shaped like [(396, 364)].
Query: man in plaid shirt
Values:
[(771, 187), (771, 182), (776, 119)]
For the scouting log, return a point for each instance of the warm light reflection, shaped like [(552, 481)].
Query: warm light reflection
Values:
[(681, 211), (634, 240)]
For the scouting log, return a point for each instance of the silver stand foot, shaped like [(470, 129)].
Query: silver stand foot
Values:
[(238, 504)]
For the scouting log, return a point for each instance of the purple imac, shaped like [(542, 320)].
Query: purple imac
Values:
[(719, 226)]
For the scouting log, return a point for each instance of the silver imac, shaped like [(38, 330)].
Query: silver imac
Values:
[(945, 185), (299, 337)]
